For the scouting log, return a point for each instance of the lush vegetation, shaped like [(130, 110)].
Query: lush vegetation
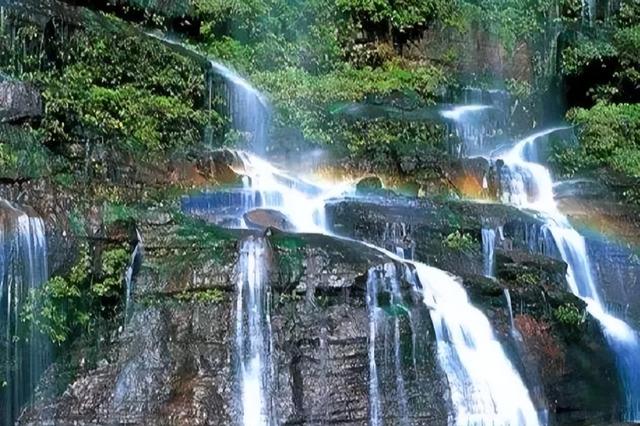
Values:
[(117, 99), (601, 70), (609, 137), (69, 306)]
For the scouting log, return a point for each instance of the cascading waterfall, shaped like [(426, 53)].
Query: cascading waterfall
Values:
[(385, 280), (472, 130), (247, 108), (375, 409), (253, 334), (480, 121), (529, 185), (485, 387), (128, 278), (24, 352)]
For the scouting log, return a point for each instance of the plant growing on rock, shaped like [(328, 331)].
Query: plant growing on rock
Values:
[(459, 241), (568, 315), (66, 306), (212, 295)]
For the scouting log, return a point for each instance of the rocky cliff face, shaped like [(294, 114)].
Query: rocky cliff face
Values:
[(550, 349), (174, 361)]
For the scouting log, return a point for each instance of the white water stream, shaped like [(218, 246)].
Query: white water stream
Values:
[(527, 184), (485, 387), (24, 352)]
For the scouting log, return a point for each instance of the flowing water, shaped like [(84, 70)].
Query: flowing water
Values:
[(485, 387), (527, 184), (232, 96), (488, 251), (253, 334), (129, 275), (531, 186), (24, 353), (246, 107)]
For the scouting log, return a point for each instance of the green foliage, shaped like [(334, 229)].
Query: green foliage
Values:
[(125, 117), (290, 255), (270, 34), (59, 307), (459, 241), (511, 21), (568, 315), (77, 223), (527, 279), (610, 52), (114, 263), (609, 137), (67, 306), (584, 52), (307, 102), (399, 15), (22, 156), (116, 212), (96, 94), (213, 295)]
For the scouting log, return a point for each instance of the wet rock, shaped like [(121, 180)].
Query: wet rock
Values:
[(262, 219), (569, 367), (19, 101), (420, 226), (173, 362), (371, 185)]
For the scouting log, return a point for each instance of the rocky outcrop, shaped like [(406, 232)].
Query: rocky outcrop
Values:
[(566, 360), (19, 101), (423, 226), (262, 219), (173, 363), (477, 52), (549, 349)]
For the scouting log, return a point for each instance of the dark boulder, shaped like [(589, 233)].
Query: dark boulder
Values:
[(262, 219), (370, 185), (19, 101)]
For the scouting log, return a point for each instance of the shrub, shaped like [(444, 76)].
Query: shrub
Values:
[(66, 306), (609, 137), (568, 315), (459, 241)]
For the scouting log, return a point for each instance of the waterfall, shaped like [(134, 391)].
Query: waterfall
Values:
[(480, 121), (128, 278), (374, 315), (477, 367), (24, 352), (529, 185), (469, 127), (488, 251), (253, 334), (385, 281), (485, 387), (247, 108)]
